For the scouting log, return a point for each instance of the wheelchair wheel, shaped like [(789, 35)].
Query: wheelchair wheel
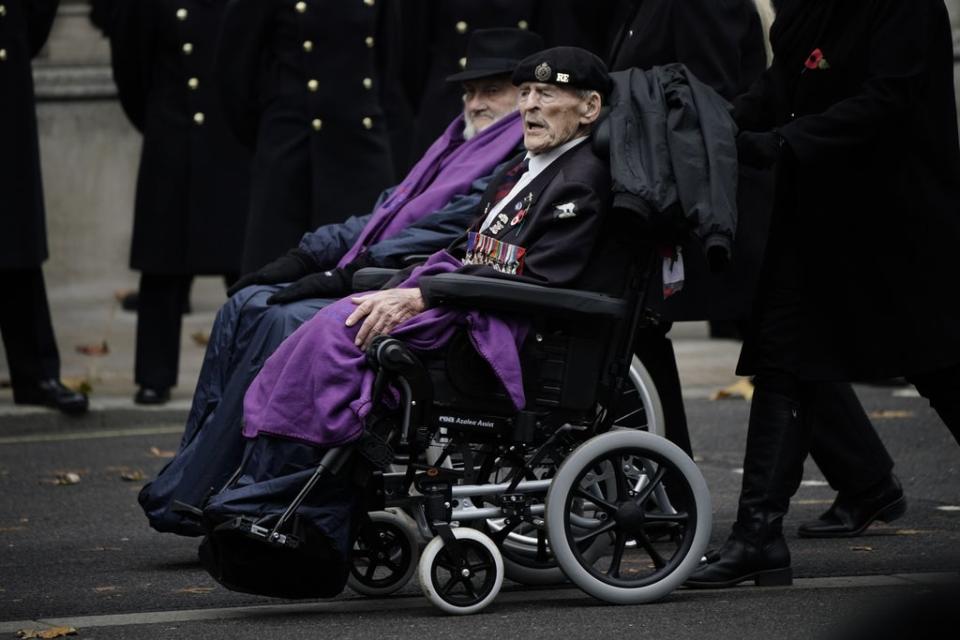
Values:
[(385, 555), (613, 487), (466, 585), (640, 407)]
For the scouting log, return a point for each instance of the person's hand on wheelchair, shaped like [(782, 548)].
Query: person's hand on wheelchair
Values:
[(289, 267), (382, 311), (333, 283)]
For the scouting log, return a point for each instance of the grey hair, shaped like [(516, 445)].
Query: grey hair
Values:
[(767, 15)]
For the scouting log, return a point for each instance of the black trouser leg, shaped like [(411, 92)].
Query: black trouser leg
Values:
[(28, 337), (942, 389), (655, 350), (843, 442), (159, 321)]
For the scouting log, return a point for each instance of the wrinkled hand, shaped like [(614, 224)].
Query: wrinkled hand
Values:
[(289, 267), (758, 150), (328, 284), (383, 310)]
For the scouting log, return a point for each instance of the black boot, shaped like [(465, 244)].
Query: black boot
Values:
[(773, 467)]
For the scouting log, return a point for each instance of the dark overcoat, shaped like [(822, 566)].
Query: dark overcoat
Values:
[(192, 187), (868, 186), (24, 27), (303, 82), (722, 43)]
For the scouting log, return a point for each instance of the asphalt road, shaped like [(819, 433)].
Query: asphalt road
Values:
[(83, 555)]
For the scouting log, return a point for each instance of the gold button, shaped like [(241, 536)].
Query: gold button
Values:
[(461, 27), (308, 45), (181, 14), (369, 3), (463, 63), (313, 85), (3, 55), (301, 7), (3, 10), (193, 83), (187, 48), (317, 124), (367, 83), (198, 117), (368, 123), (369, 41), (523, 24)]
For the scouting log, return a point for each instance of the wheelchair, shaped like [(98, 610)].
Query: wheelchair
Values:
[(463, 490)]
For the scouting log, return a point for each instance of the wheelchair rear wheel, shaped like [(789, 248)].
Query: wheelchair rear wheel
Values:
[(613, 487), (385, 555), (640, 407), (466, 584)]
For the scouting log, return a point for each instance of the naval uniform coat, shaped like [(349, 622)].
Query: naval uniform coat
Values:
[(303, 83), (868, 190), (192, 188), (24, 27)]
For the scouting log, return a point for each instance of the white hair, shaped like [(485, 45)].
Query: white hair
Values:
[(767, 14)]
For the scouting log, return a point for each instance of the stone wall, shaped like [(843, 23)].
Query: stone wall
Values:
[(89, 153)]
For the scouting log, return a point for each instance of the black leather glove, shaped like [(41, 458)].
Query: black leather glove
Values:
[(289, 267), (759, 150), (334, 283)]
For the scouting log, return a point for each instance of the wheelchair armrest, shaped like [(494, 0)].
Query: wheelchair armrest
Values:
[(370, 278), (494, 294)]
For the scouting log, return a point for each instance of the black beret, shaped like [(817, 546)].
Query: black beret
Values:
[(565, 67)]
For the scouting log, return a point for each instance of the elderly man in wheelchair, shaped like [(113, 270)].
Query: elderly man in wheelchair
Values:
[(473, 398)]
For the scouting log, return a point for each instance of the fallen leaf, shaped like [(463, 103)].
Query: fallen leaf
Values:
[(132, 476), (195, 590), (108, 589), (739, 389), (9, 529), (891, 414), (200, 338), (96, 350), (861, 548), (81, 384), (120, 294), (160, 453), (53, 632), (67, 478)]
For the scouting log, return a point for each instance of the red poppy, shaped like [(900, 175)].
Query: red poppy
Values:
[(814, 59)]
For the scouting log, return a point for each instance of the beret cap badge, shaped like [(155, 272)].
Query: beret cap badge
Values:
[(543, 72)]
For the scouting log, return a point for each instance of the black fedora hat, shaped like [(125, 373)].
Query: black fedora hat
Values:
[(493, 52)]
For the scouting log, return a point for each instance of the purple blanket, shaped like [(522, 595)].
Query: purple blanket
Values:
[(448, 168), (316, 386)]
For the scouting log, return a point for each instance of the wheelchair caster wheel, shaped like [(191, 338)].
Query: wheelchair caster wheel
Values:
[(385, 555), (461, 585), (646, 499)]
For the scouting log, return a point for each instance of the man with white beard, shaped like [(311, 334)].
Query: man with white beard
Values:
[(421, 215)]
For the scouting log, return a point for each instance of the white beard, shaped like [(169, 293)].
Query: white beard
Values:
[(469, 130)]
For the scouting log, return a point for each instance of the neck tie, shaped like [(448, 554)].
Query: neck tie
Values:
[(510, 179)]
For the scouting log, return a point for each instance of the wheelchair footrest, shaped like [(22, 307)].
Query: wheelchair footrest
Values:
[(376, 450), (249, 528)]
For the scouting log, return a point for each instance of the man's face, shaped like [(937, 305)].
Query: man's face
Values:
[(486, 100), (551, 115)]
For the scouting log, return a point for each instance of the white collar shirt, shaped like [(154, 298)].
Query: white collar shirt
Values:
[(537, 164)]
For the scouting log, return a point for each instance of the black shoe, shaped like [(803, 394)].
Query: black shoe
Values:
[(850, 516), (151, 395), (738, 561), (131, 302), (52, 393)]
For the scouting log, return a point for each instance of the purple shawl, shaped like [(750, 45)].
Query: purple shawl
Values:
[(316, 386), (448, 168)]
